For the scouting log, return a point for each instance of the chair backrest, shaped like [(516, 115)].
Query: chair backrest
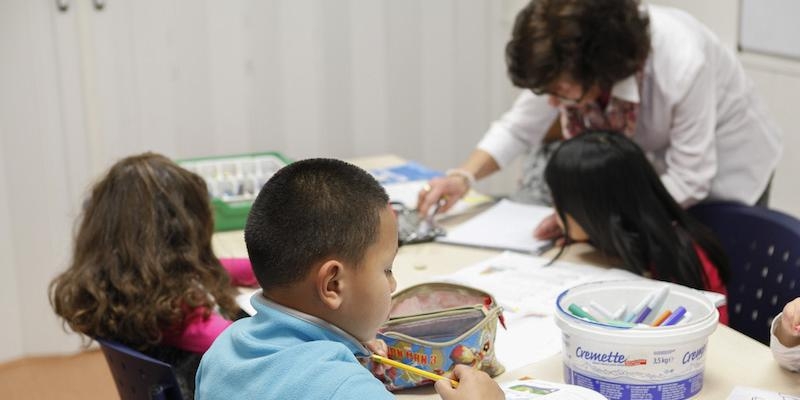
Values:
[(763, 246), (138, 376)]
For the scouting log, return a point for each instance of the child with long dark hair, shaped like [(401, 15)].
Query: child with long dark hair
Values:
[(605, 191), (143, 272)]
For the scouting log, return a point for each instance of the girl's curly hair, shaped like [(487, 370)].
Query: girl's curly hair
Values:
[(142, 258)]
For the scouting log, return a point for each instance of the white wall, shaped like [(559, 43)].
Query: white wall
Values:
[(777, 80), (187, 78)]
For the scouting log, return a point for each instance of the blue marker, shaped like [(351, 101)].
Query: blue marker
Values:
[(657, 299), (676, 316), (635, 311), (685, 319)]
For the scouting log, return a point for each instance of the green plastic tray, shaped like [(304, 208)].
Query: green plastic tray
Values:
[(234, 182)]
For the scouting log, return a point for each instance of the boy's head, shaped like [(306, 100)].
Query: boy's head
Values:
[(324, 228)]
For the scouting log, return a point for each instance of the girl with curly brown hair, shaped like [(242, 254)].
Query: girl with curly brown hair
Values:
[(143, 272)]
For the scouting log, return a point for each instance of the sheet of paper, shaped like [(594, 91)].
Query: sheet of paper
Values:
[(506, 226), (524, 389), (527, 291), (526, 340), (748, 393), (525, 286)]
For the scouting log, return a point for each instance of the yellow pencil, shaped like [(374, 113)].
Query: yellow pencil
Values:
[(421, 372)]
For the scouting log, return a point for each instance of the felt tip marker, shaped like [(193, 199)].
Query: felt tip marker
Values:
[(657, 299), (636, 311), (580, 313), (676, 316), (685, 319), (661, 318), (601, 311), (620, 313)]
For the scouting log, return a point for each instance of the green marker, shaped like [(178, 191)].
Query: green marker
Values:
[(579, 312)]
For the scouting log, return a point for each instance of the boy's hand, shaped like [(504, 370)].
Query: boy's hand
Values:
[(472, 384), (788, 329), (380, 348)]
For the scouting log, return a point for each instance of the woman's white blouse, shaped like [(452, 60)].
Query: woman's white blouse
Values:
[(706, 131)]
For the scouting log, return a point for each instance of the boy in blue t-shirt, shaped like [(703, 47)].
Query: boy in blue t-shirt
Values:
[(321, 237)]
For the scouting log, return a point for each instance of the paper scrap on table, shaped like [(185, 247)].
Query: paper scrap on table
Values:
[(749, 393), (524, 286), (524, 389)]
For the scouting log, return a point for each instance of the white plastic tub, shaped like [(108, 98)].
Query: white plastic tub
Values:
[(642, 363)]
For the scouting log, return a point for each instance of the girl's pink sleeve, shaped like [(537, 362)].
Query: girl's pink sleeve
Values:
[(199, 332), (240, 271)]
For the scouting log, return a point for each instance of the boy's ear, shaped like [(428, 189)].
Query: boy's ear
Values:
[(329, 283)]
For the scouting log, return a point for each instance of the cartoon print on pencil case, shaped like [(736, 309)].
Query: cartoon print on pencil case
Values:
[(481, 358), (392, 376)]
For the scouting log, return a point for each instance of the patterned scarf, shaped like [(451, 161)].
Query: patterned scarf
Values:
[(607, 113)]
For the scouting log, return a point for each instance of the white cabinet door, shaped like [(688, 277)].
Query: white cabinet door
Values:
[(42, 162)]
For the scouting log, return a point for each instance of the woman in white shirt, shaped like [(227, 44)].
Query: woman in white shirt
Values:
[(654, 74), (785, 338)]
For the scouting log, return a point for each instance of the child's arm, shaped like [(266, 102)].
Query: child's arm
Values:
[(198, 332), (240, 270), (785, 343), (472, 384), (787, 330)]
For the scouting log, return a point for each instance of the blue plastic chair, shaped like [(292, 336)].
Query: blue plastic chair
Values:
[(763, 246), (138, 376)]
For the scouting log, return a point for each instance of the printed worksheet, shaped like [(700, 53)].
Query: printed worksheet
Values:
[(748, 393), (527, 289), (525, 285), (524, 389)]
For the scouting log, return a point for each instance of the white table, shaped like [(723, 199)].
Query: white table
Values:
[(732, 358)]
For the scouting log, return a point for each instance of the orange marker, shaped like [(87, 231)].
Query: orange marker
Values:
[(661, 318)]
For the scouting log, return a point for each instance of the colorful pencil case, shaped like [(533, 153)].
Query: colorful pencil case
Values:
[(434, 327)]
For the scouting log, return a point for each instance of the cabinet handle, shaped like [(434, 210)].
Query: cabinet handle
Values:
[(62, 5), (99, 4)]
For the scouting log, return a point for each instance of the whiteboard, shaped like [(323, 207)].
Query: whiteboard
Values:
[(770, 27)]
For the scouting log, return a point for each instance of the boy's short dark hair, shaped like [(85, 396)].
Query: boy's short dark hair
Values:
[(591, 41), (310, 210)]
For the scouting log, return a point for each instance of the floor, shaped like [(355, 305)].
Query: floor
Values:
[(83, 376)]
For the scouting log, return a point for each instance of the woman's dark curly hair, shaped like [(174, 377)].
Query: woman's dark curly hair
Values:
[(142, 256), (590, 41)]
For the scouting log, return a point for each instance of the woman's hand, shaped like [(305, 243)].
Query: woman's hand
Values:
[(472, 384), (449, 188), (548, 229), (788, 329)]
